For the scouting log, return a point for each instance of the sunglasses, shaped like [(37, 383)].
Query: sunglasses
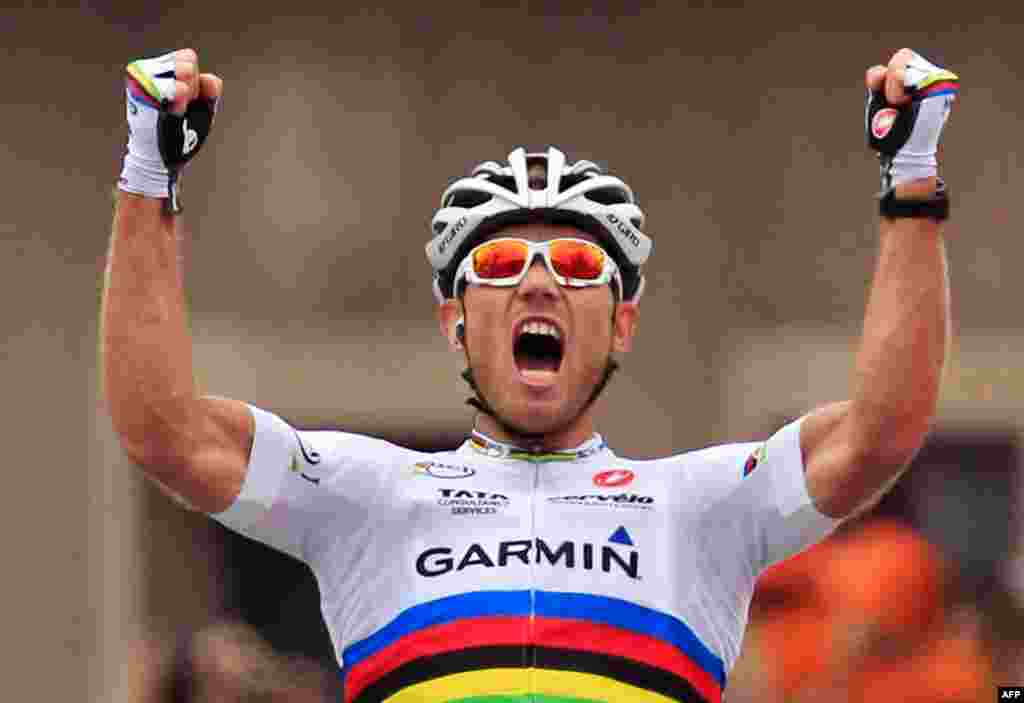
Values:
[(575, 263)]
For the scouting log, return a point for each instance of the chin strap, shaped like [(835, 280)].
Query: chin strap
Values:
[(478, 401)]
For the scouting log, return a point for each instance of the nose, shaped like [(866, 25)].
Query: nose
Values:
[(538, 282)]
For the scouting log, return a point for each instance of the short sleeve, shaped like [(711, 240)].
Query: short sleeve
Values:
[(750, 508), (274, 444), (306, 491), (789, 520), (273, 456), (757, 497)]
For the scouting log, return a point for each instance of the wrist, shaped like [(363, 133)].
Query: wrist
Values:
[(923, 198), (144, 176), (917, 189)]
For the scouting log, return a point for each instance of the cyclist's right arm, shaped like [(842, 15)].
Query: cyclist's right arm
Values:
[(196, 447)]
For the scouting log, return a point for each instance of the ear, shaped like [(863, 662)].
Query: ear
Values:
[(624, 325), (449, 317)]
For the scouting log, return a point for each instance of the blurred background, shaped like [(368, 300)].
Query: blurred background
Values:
[(739, 127)]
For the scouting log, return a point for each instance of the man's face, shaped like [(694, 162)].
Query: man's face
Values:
[(538, 349)]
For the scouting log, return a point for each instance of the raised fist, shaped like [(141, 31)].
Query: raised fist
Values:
[(907, 106), (170, 109)]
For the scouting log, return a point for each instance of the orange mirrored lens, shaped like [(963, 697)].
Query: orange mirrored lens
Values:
[(501, 258), (580, 260)]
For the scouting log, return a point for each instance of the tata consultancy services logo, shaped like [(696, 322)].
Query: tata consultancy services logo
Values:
[(439, 470), (613, 478), (469, 502)]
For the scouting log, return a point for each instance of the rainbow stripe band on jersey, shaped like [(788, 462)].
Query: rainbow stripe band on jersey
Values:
[(489, 447), (516, 686), (575, 646)]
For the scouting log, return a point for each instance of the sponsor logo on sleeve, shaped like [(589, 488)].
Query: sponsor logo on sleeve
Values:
[(310, 459), (755, 459)]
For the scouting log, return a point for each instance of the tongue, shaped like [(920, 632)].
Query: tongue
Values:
[(535, 352), (534, 362)]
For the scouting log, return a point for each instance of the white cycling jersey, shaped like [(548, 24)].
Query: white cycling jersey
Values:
[(491, 575)]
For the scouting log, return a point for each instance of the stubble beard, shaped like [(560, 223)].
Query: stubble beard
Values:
[(563, 420)]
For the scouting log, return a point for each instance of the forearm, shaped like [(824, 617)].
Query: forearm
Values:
[(856, 449), (904, 344), (146, 345)]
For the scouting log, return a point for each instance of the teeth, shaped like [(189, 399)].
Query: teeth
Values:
[(536, 327)]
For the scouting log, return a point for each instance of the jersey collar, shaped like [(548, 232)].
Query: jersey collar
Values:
[(482, 444)]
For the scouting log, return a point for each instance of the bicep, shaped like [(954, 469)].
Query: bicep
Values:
[(206, 467), (842, 476)]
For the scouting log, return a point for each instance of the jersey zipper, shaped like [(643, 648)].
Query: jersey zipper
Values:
[(531, 631)]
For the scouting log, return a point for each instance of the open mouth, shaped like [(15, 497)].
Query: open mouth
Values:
[(538, 347)]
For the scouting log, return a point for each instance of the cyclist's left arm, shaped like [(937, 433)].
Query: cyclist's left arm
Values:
[(855, 450)]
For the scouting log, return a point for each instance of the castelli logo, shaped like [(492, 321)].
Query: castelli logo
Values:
[(882, 122), (614, 477)]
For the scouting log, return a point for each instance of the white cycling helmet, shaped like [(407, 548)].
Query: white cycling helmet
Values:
[(496, 196)]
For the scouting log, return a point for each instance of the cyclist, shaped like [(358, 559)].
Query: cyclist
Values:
[(531, 563)]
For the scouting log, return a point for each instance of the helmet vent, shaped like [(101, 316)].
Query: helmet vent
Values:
[(506, 182), (572, 179), (608, 196), (537, 175), (467, 198), (439, 227)]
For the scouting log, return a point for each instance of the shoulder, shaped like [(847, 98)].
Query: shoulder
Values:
[(696, 463), (702, 477), (338, 445), (321, 452)]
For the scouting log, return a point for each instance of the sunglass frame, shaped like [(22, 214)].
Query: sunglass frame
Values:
[(465, 273)]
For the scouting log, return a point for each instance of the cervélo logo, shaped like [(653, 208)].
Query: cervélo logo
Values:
[(613, 478), (617, 500), (439, 470), (618, 556)]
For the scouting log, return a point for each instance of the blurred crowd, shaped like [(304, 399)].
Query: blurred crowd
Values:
[(878, 613), (224, 662)]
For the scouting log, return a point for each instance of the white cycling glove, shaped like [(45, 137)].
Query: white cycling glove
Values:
[(907, 137), (160, 143)]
